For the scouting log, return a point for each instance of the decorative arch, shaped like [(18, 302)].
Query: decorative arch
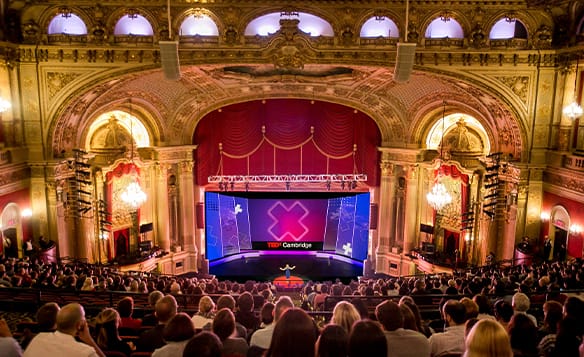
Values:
[(308, 137), (118, 15), (507, 28), (108, 124), (444, 28), (195, 17), (11, 229), (136, 25), (475, 137), (270, 23), (70, 25), (379, 26)]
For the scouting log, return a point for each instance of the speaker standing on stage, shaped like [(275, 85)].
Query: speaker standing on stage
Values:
[(287, 269)]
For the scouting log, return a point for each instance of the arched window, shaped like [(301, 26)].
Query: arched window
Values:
[(505, 29), (270, 23), (201, 25), (69, 24), (133, 25), (379, 27), (125, 121), (451, 123), (442, 28)]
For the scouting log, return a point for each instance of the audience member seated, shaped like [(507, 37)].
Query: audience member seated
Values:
[(9, 347), (205, 315), (503, 312), (177, 333), (71, 323), (224, 327), (552, 315), (204, 344), (152, 339), (227, 301), (345, 315), (521, 304), (245, 312), (488, 338), (570, 328), (149, 318), (128, 324), (523, 336), (332, 342), (293, 326), (263, 337), (367, 339), (106, 329), (452, 339), (46, 321), (400, 341)]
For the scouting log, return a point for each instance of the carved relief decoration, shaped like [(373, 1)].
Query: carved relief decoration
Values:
[(518, 84), (57, 80)]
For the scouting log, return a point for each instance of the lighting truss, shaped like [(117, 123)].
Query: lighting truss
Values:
[(322, 178)]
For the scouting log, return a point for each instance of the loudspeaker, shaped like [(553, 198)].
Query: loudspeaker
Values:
[(169, 59), (374, 213), (404, 61), (200, 213)]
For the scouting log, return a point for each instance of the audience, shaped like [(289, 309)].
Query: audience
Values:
[(367, 339), (294, 335), (152, 339), (400, 342), (204, 344), (126, 309), (523, 336), (559, 335), (224, 327), (488, 338), (263, 337), (149, 318), (452, 339), (245, 314), (71, 323), (228, 301), (521, 304), (332, 342), (205, 315), (177, 333), (106, 329), (9, 347), (345, 315)]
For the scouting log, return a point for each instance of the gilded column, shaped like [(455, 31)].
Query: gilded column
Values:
[(162, 214), (385, 215), (411, 207), (187, 204)]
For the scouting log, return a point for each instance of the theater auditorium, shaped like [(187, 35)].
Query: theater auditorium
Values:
[(367, 144)]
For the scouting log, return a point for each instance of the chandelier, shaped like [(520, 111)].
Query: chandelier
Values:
[(438, 197), (133, 194), (574, 110)]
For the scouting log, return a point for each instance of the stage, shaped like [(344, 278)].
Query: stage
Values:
[(265, 266)]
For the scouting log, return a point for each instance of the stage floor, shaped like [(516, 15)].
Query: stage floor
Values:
[(266, 267)]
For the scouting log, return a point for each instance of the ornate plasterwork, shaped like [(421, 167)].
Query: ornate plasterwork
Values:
[(57, 80), (570, 182), (518, 84)]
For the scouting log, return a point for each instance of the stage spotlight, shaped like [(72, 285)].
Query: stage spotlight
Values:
[(287, 185), (328, 185)]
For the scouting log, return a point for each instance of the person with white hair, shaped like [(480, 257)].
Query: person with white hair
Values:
[(521, 304)]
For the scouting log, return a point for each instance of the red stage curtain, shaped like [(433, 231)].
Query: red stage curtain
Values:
[(287, 124)]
